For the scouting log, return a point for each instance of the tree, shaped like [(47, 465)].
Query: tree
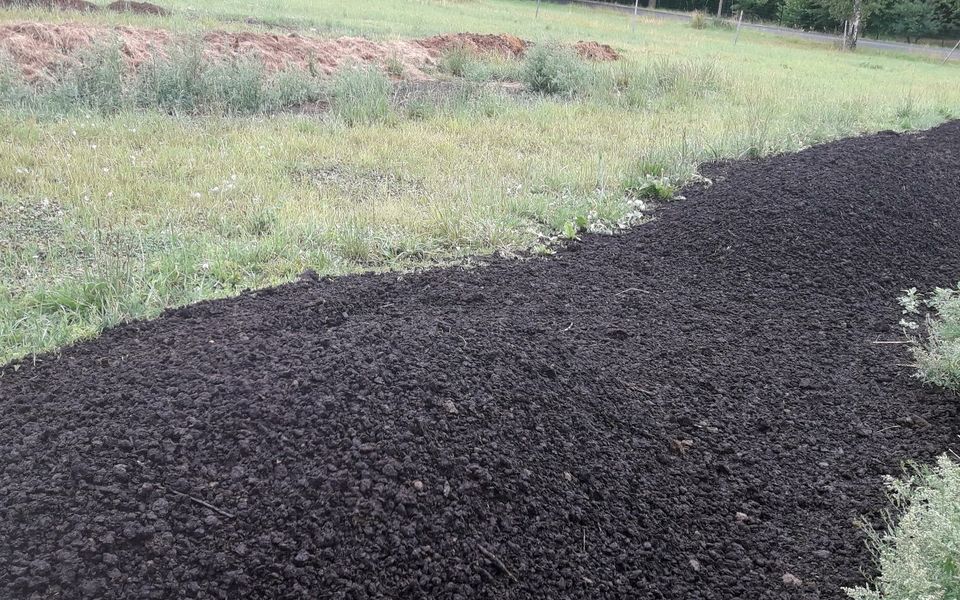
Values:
[(948, 15), (853, 33), (807, 14), (759, 8), (913, 18)]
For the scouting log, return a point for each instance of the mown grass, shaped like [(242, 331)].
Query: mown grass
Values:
[(120, 199)]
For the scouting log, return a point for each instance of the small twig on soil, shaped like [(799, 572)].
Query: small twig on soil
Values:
[(567, 328), (499, 563), (631, 290), (201, 502), (891, 342)]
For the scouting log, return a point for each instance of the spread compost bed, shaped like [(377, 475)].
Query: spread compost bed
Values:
[(694, 409)]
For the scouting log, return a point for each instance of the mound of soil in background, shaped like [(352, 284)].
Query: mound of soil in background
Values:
[(510, 46), (478, 43), (694, 409), (40, 49), (81, 5), (596, 51), (143, 8)]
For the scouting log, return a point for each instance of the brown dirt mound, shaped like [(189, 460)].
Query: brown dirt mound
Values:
[(509, 45), (280, 51), (39, 49), (143, 8), (81, 5), (480, 43), (596, 51)]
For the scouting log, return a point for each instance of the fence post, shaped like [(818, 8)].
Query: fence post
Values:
[(949, 54), (739, 20)]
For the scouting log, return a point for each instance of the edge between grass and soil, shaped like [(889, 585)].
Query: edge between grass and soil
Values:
[(275, 172), (917, 546)]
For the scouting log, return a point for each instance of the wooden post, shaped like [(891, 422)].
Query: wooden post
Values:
[(720, 9), (949, 54), (537, 16), (636, 7), (739, 20)]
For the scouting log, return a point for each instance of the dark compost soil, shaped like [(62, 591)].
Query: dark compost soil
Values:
[(694, 409)]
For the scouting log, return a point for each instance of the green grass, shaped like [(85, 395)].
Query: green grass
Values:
[(360, 95), (554, 69), (919, 551), (936, 350), (120, 199)]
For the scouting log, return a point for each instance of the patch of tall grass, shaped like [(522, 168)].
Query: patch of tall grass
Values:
[(554, 69), (698, 20), (360, 95), (937, 354), (184, 82), (457, 61), (642, 84)]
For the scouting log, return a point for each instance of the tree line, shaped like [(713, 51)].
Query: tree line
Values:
[(904, 19)]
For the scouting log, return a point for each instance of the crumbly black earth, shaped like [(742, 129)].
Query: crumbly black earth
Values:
[(693, 409)]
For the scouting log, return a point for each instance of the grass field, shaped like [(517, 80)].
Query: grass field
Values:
[(106, 217)]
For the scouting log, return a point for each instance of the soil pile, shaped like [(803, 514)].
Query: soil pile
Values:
[(39, 49), (596, 51), (694, 409), (510, 46), (143, 8), (279, 51), (478, 43)]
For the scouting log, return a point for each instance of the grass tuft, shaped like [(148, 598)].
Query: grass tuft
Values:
[(183, 83), (457, 61), (698, 20), (919, 551), (360, 95), (95, 82), (554, 69), (938, 356), (919, 554)]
